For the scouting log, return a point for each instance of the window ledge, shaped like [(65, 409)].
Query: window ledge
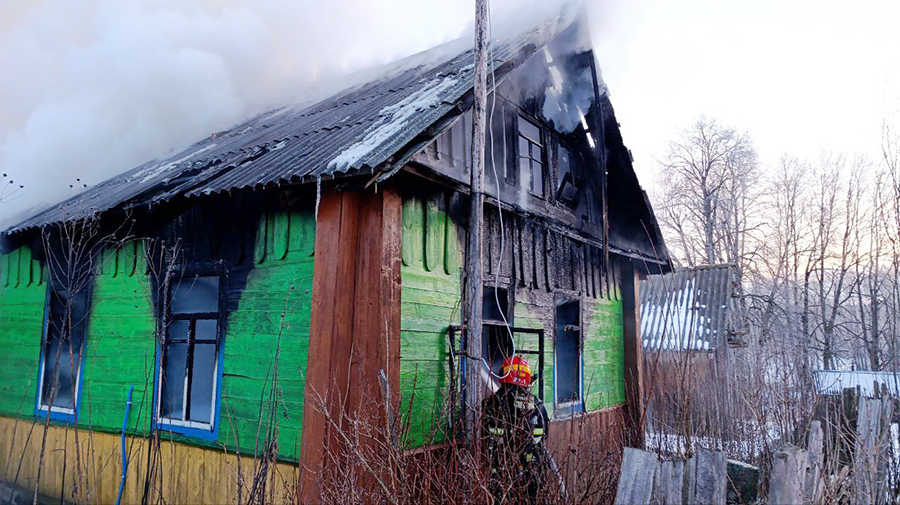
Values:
[(59, 414), (569, 410), (193, 430)]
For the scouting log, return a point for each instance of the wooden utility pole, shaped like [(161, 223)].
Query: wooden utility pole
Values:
[(474, 287)]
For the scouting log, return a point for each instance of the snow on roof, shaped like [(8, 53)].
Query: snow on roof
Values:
[(833, 382)]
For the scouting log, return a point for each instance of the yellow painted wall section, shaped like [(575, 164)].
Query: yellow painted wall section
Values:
[(177, 473)]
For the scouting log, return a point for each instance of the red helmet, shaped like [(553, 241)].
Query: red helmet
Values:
[(515, 370)]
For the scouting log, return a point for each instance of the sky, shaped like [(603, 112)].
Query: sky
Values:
[(802, 77), (92, 88)]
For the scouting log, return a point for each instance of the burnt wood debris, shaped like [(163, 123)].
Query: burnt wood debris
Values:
[(294, 296)]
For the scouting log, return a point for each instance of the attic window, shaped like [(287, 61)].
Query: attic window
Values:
[(531, 157), (189, 370), (568, 188)]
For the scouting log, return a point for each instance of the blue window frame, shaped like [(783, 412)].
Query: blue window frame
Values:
[(62, 351), (189, 363), (568, 362)]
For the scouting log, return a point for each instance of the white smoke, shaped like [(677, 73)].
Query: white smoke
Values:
[(95, 87)]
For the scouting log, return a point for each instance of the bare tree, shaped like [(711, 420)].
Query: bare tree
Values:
[(709, 174)]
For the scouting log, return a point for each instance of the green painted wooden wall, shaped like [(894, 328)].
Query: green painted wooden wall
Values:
[(119, 349), (603, 348), (22, 295), (602, 343), (272, 319), (430, 277)]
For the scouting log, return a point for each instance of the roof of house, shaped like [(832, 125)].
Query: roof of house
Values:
[(687, 309), (359, 130), (372, 128)]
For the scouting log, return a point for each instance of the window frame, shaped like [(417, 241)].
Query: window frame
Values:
[(572, 407), (543, 144), (196, 429), (55, 413), (574, 172)]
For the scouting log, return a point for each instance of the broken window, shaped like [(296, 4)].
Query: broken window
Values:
[(568, 187), (496, 341), (64, 334), (494, 305), (188, 374), (568, 353), (531, 157)]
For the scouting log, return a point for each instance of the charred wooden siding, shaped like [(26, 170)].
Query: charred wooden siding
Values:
[(550, 266), (538, 265)]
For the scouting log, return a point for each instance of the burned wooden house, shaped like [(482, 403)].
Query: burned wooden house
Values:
[(272, 281)]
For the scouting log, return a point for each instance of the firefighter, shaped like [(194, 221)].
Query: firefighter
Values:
[(514, 430)]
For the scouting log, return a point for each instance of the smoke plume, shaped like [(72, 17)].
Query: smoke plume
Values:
[(95, 87)]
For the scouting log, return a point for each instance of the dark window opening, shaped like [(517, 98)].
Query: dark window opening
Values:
[(190, 356), (570, 183), (497, 141), (63, 348), (496, 346), (531, 157), (496, 343), (495, 304), (568, 352)]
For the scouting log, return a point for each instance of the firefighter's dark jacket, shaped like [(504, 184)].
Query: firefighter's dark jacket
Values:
[(514, 426)]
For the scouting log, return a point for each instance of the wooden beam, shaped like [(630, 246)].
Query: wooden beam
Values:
[(314, 431), (355, 327), (474, 266), (634, 379)]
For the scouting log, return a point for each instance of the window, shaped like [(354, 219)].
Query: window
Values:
[(495, 305), (531, 157), (496, 344), (64, 335), (568, 187), (189, 370), (497, 142), (568, 354)]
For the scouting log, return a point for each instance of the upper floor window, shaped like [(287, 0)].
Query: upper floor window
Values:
[(189, 371), (568, 187), (61, 355), (531, 157)]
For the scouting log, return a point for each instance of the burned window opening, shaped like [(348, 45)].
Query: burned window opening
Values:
[(568, 352), (495, 304), (570, 184), (497, 344), (188, 374), (63, 348)]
